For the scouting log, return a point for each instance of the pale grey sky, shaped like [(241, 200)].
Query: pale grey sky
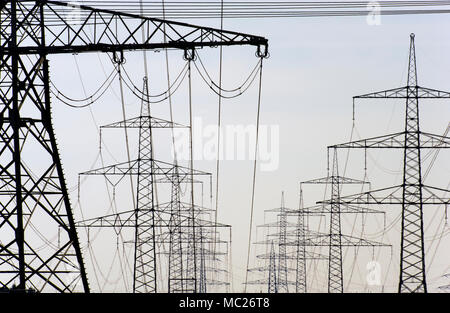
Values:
[(316, 66)]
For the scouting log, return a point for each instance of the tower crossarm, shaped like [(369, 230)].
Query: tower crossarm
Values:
[(338, 180), (397, 141), (211, 282), (308, 255), (393, 195), (322, 208), (127, 219), (132, 168), (346, 241), (267, 268), (72, 28), (277, 225), (144, 121), (184, 207), (265, 281), (405, 92)]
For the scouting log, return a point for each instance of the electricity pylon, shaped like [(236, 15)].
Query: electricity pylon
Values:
[(284, 231), (281, 275), (412, 194), (335, 209), (300, 269), (179, 218), (145, 168), (30, 193), (272, 286), (183, 219), (282, 266)]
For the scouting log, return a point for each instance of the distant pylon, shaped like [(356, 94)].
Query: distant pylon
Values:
[(335, 239), (147, 217), (273, 284), (177, 268), (282, 281), (300, 269), (412, 194), (335, 280)]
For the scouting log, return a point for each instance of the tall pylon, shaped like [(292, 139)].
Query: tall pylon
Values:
[(335, 280), (145, 168), (336, 239), (144, 250), (300, 268), (282, 280), (412, 255), (180, 219), (33, 194), (177, 267), (412, 194), (285, 233)]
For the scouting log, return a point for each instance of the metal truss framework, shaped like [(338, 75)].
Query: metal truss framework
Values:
[(336, 239), (412, 194), (30, 31), (297, 235), (180, 222), (277, 281), (273, 284)]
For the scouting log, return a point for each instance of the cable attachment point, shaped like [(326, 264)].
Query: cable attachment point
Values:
[(118, 59), (189, 55), (263, 53)]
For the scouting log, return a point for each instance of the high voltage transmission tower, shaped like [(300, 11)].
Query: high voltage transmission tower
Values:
[(33, 194), (304, 237), (298, 237), (178, 217), (278, 271), (272, 283), (412, 194), (337, 239)]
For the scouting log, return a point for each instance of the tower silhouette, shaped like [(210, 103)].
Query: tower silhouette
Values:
[(33, 195), (412, 194)]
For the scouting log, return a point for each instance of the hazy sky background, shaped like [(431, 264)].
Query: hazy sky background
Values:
[(316, 66)]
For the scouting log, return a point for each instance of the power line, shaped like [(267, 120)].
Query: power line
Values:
[(254, 174), (270, 9)]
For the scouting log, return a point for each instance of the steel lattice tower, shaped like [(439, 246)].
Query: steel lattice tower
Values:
[(335, 209), (272, 286), (299, 237), (176, 283), (412, 194), (336, 239), (144, 250), (30, 31), (147, 216), (282, 280), (412, 257), (179, 218), (286, 232), (335, 280), (300, 269)]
